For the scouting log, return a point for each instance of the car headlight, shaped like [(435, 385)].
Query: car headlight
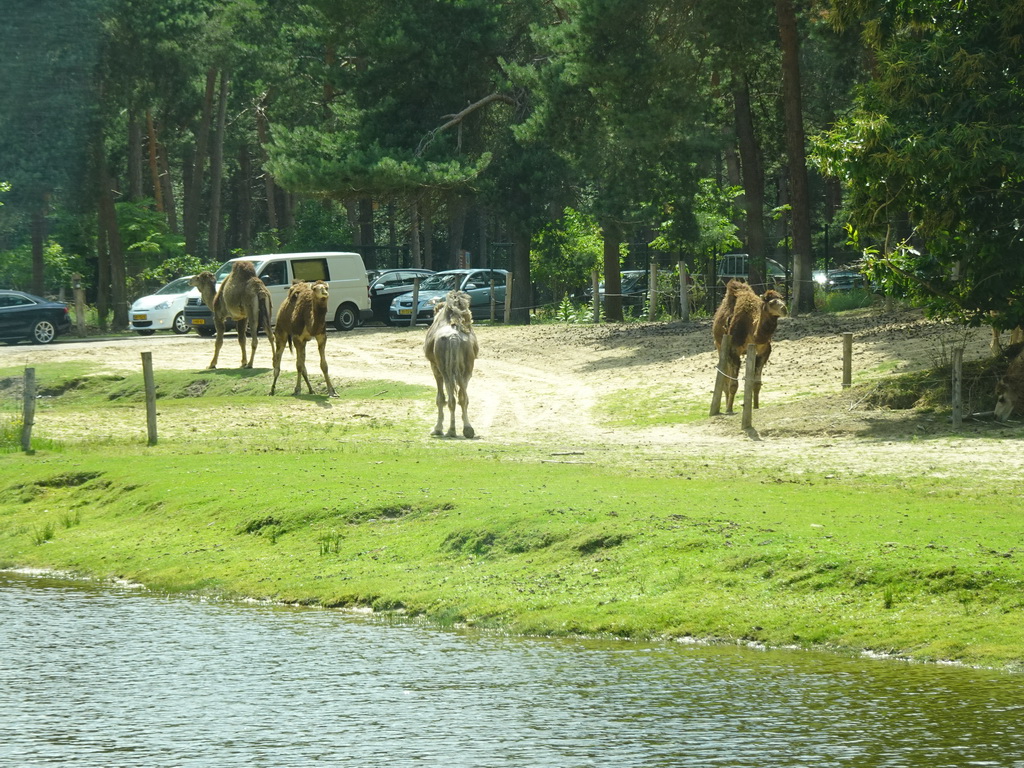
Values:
[(163, 305)]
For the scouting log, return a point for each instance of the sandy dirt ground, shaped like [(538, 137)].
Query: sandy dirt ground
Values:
[(546, 385)]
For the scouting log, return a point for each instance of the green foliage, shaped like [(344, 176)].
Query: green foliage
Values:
[(16, 267), (932, 156), (565, 252)]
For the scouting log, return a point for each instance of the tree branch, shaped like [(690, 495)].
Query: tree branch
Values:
[(458, 117)]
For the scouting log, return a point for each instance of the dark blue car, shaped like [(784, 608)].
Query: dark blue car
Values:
[(27, 317)]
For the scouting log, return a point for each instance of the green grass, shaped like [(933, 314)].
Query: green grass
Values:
[(375, 513)]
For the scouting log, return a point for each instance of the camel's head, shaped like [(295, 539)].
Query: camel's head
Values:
[(203, 281), (775, 304), (320, 290), (1005, 400)]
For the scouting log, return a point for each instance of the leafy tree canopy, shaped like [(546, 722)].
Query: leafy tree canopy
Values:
[(933, 155)]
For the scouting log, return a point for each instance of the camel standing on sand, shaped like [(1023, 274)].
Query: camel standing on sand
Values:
[(243, 297), (747, 319), (1010, 389), (301, 317), (451, 347)]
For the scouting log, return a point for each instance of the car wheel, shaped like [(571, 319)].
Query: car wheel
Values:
[(145, 331), (346, 318), (43, 332), (179, 325)]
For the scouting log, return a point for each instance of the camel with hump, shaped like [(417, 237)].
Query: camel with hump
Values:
[(451, 347), (301, 317), (245, 299), (746, 318)]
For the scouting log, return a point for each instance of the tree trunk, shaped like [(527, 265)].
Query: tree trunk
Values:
[(244, 203), (170, 206), (753, 183), (803, 285), (484, 256), (612, 278), (414, 234), (522, 287), (263, 136), (135, 156), (154, 163), (217, 171), (38, 236), (102, 269), (108, 221), (456, 229), (194, 193), (367, 238), (428, 240)]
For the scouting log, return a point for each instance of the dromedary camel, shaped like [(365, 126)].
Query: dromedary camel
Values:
[(244, 298), (1010, 389), (747, 319), (451, 347), (301, 317)]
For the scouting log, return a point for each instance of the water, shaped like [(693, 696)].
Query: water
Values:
[(93, 676)]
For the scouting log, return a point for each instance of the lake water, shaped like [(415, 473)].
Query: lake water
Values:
[(94, 676)]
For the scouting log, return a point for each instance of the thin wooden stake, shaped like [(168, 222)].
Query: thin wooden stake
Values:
[(748, 387), (684, 293), (958, 364), (415, 301), (847, 360), (147, 378), (652, 284), (508, 298), (28, 415)]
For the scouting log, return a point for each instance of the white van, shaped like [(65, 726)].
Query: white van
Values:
[(344, 273)]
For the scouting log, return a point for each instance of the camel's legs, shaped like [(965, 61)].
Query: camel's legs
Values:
[(321, 343), (240, 326), (467, 428), (278, 352), (217, 344), (441, 400), (255, 322), (300, 367), (732, 372)]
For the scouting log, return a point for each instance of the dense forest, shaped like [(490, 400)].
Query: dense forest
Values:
[(143, 139)]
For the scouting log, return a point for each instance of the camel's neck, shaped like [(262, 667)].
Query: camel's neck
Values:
[(208, 295), (766, 326)]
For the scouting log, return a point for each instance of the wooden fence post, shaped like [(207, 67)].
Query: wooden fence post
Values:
[(652, 285), (847, 360), (76, 284), (494, 302), (508, 298), (28, 411), (147, 378), (720, 377), (684, 293), (958, 363), (748, 387), (415, 301)]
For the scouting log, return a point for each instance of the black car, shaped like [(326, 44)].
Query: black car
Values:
[(24, 316), (390, 283)]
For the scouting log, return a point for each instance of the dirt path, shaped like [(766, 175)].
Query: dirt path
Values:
[(543, 385)]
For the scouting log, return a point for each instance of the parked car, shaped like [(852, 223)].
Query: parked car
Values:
[(390, 283), (344, 273), (845, 280), (26, 316), (633, 287), (737, 265), (163, 310), (475, 282)]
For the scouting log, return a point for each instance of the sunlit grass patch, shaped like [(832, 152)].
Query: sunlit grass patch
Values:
[(644, 408)]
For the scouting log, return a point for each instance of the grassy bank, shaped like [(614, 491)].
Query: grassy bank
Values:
[(373, 512)]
